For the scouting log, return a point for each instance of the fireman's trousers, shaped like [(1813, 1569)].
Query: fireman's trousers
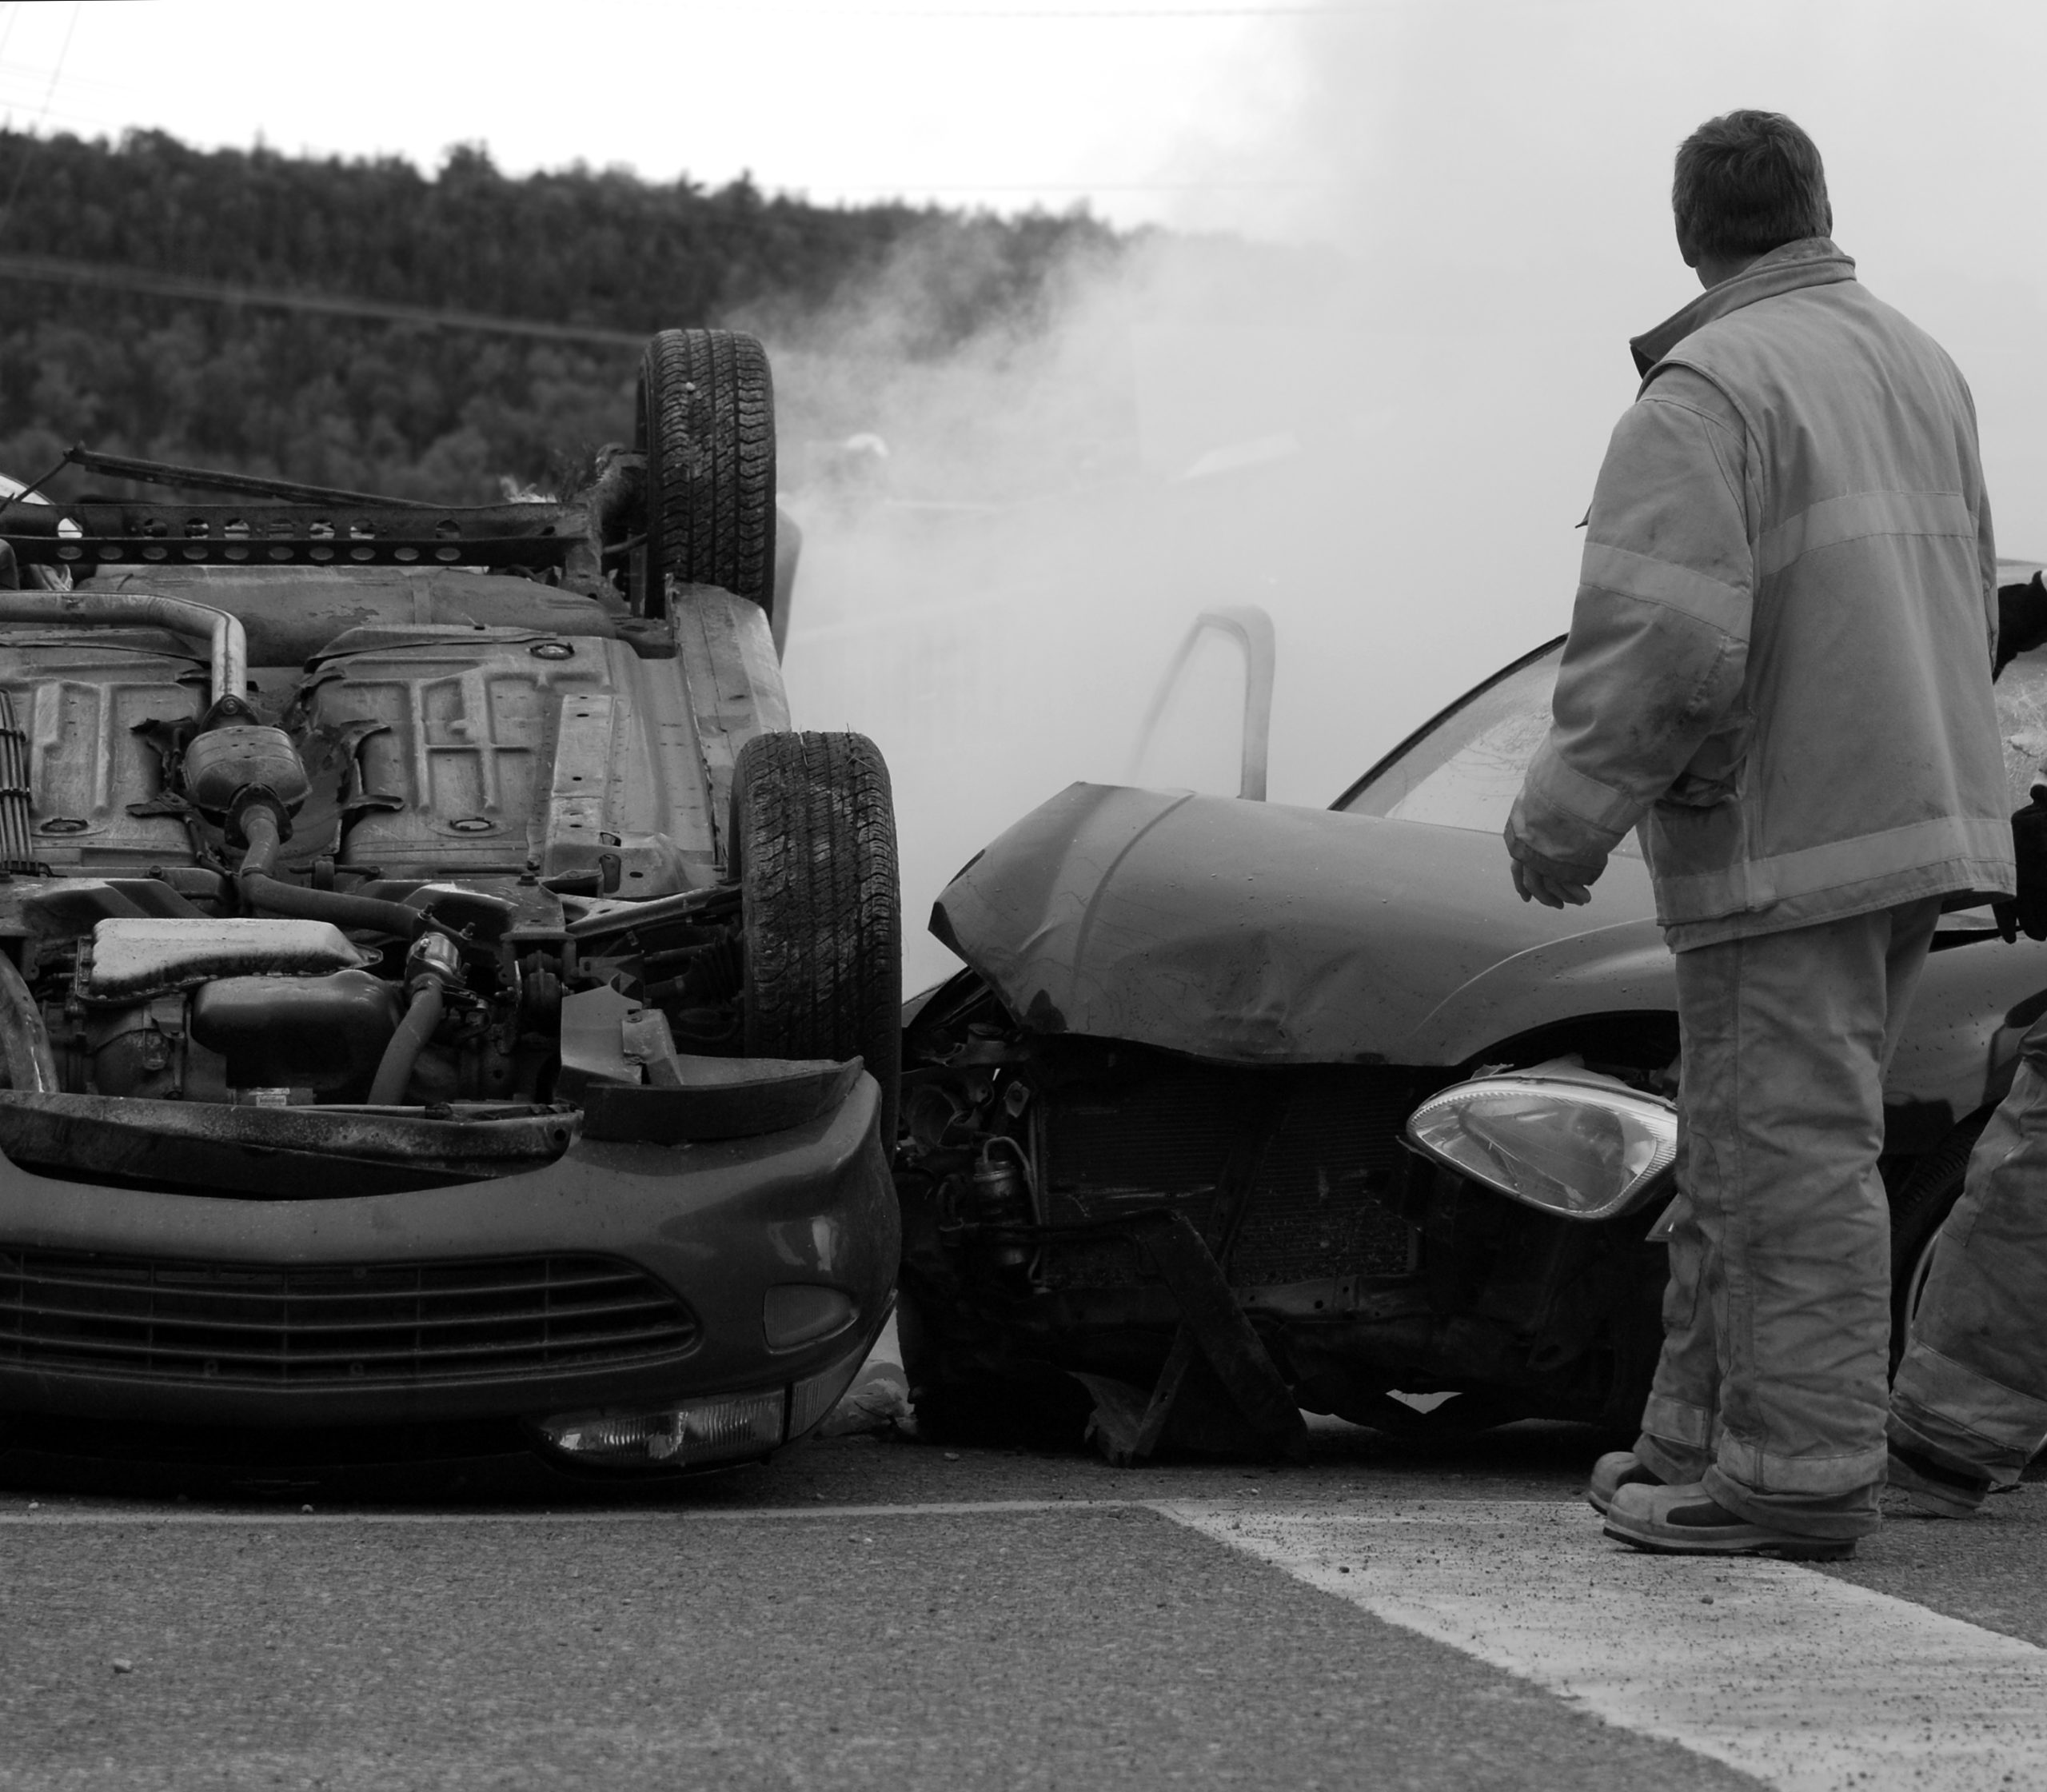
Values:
[(1972, 1391), (1771, 1387)]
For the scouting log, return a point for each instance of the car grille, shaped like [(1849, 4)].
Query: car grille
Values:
[(1327, 1196), (347, 1325)]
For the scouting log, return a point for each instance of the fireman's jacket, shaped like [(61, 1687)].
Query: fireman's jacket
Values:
[(1779, 660)]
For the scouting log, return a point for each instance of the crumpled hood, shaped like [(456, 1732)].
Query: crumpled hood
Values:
[(1257, 933)]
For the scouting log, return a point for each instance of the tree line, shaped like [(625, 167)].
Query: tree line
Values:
[(413, 409)]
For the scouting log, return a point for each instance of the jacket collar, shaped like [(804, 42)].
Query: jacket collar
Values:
[(1810, 261)]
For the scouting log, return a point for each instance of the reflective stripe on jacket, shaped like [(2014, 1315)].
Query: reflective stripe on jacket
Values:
[(1779, 660)]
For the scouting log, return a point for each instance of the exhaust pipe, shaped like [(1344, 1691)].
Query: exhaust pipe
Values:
[(229, 643)]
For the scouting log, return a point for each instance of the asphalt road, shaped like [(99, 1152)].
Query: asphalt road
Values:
[(867, 1611)]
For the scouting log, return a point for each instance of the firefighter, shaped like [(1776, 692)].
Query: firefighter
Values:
[(1968, 1409), (1779, 665)]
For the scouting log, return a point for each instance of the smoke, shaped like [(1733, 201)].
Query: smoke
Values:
[(1366, 386)]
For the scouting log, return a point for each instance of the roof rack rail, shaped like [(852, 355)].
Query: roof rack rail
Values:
[(100, 532)]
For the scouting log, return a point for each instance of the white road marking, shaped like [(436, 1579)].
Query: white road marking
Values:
[(1809, 1683), (61, 1517)]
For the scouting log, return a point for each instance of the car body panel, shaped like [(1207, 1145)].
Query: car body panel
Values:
[(494, 746), (81, 700), (1255, 933), (717, 1223), (1246, 933)]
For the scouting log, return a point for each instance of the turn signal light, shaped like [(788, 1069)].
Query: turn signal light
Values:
[(799, 1312)]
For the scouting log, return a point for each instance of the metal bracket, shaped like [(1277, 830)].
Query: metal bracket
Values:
[(1128, 1424), (1212, 1323), (1212, 1326)]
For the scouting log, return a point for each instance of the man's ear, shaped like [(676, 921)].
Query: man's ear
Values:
[(1686, 248)]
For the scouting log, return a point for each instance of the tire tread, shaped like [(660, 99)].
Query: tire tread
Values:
[(814, 831), (707, 411)]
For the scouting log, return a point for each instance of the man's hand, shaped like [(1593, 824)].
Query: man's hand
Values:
[(2026, 913), (1553, 883), (1551, 888)]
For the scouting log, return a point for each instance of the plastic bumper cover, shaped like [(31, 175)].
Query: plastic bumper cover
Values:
[(719, 1223)]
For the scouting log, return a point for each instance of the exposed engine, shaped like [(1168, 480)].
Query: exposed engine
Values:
[(280, 1013), (247, 894)]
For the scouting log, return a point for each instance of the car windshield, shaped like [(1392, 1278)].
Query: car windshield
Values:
[(1464, 768)]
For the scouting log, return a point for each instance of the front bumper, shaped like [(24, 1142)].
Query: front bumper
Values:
[(718, 1223)]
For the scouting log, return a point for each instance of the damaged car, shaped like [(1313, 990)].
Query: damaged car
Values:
[(1240, 1109), (441, 999)]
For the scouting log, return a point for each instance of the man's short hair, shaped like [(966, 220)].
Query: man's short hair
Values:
[(1747, 183)]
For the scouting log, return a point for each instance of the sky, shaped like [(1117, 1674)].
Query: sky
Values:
[(976, 103), (1391, 466)]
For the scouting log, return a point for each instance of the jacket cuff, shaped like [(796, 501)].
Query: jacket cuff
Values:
[(1563, 815)]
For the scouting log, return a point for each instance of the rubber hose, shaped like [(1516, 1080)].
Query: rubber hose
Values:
[(273, 897), (394, 1069), (24, 1052), (295, 900)]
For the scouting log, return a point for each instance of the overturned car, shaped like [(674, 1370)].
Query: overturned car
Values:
[(439, 996), (1241, 1109)]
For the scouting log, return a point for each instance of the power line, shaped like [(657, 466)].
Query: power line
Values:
[(50, 93), (907, 187), (1082, 15), (56, 270), (1088, 15)]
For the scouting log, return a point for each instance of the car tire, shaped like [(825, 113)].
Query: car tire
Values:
[(704, 417), (813, 846), (1918, 1211)]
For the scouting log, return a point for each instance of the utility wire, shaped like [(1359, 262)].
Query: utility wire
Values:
[(54, 269), (1081, 188), (1089, 15), (49, 94)]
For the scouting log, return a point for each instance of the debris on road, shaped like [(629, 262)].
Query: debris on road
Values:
[(878, 1401)]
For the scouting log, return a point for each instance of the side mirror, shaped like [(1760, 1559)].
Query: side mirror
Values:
[(1249, 630)]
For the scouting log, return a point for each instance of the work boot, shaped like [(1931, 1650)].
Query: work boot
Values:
[(1685, 1521), (1615, 1470), (1934, 1490)]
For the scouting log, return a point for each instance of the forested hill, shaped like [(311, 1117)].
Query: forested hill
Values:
[(410, 407)]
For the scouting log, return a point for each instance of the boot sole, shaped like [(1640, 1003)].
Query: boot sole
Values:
[(1785, 1548), (1603, 1506)]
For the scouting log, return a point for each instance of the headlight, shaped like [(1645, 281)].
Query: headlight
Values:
[(679, 1436), (1584, 1150)]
